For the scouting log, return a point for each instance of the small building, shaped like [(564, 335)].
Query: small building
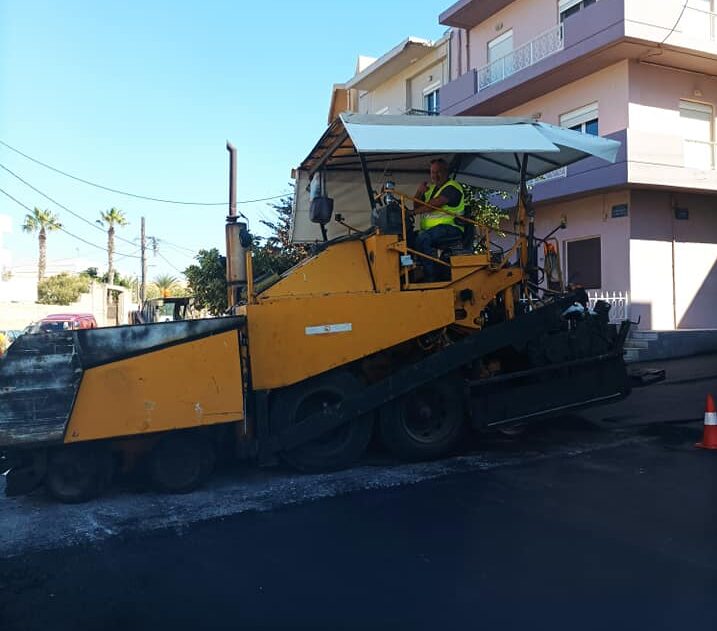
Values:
[(407, 79)]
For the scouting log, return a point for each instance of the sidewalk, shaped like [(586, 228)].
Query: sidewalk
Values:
[(684, 369), (680, 398)]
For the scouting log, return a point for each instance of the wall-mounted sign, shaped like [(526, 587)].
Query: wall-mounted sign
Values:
[(619, 211), (682, 214)]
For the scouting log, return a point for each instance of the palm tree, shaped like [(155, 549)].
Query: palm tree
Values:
[(41, 221), (113, 217), (164, 283)]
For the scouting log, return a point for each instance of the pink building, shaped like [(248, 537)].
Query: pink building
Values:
[(641, 72)]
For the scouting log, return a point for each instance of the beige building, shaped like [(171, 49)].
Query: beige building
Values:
[(407, 79), (641, 72)]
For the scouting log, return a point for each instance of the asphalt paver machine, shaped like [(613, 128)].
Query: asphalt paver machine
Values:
[(348, 343)]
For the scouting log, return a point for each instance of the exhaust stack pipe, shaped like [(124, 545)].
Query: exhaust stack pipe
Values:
[(236, 252)]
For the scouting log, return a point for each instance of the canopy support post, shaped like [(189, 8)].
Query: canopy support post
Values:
[(367, 182)]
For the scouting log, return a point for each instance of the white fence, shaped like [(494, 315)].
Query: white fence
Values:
[(619, 302)]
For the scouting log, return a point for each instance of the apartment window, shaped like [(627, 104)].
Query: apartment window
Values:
[(584, 119), (431, 98), (697, 124), (584, 262), (500, 59), (569, 7)]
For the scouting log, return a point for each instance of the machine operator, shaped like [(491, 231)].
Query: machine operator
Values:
[(443, 193)]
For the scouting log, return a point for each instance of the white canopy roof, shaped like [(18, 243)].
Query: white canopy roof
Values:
[(481, 151), (484, 151)]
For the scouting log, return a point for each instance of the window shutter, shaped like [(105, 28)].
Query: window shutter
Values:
[(579, 116)]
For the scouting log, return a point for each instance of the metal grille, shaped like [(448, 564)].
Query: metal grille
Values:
[(551, 175), (531, 53)]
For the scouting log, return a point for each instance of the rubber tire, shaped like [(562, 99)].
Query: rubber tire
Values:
[(181, 462), (401, 440), (341, 447), (91, 469)]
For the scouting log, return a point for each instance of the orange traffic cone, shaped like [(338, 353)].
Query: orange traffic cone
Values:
[(709, 438)]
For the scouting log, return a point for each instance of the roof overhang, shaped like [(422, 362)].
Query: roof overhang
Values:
[(407, 53), (467, 13)]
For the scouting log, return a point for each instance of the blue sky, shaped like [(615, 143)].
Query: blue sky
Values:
[(142, 95)]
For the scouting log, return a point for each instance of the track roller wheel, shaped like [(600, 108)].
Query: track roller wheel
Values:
[(426, 424), (181, 462), (77, 473), (336, 449)]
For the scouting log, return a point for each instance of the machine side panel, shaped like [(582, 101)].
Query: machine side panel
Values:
[(293, 339), (186, 385), (341, 268)]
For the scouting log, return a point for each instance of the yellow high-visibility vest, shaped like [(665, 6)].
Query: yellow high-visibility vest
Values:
[(430, 220)]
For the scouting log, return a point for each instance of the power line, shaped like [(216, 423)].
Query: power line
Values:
[(674, 26), (172, 265), (179, 252), (94, 245), (120, 192), (72, 212), (122, 256), (177, 246)]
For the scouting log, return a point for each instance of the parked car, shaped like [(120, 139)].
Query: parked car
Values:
[(7, 337), (65, 322)]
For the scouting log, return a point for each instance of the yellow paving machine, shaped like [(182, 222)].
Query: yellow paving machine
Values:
[(349, 342)]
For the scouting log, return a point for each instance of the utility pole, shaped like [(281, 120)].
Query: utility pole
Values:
[(143, 283)]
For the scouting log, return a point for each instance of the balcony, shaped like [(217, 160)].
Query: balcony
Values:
[(551, 175), (527, 55), (592, 39)]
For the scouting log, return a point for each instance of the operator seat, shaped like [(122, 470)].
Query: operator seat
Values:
[(462, 244)]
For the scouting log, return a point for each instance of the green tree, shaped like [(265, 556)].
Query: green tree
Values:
[(480, 205), (207, 281), (276, 253), (271, 255), (62, 289), (111, 218), (479, 201), (165, 284), (42, 222)]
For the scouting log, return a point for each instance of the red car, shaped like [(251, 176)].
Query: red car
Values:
[(66, 322)]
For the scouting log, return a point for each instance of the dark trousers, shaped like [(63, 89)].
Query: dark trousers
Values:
[(426, 242)]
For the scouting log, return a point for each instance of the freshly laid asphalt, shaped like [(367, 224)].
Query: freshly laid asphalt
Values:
[(609, 521)]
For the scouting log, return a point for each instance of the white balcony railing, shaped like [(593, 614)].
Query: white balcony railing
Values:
[(551, 175), (699, 23), (531, 53), (700, 154)]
